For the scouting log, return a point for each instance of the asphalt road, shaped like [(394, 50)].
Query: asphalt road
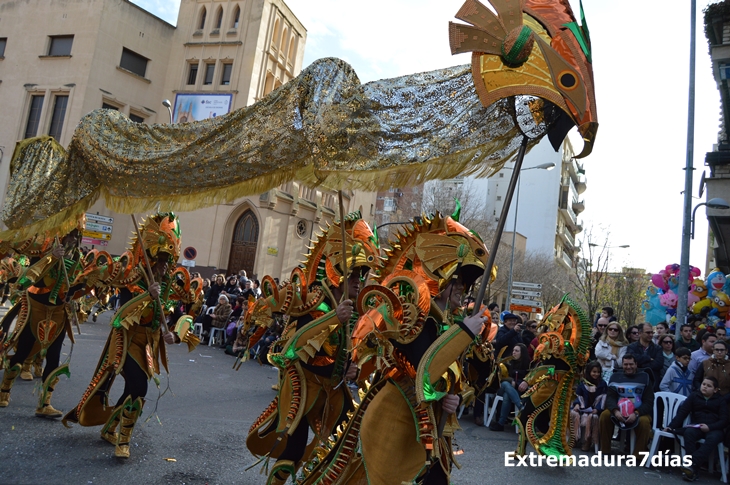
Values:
[(203, 420)]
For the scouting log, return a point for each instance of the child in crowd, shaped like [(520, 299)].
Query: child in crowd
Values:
[(591, 395), (678, 378)]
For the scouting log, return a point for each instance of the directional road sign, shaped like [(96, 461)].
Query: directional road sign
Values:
[(95, 226), (94, 242), (520, 301), (97, 235), (527, 309), (98, 218), (536, 286), (535, 294)]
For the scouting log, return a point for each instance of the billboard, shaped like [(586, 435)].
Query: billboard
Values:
[(197, 106)]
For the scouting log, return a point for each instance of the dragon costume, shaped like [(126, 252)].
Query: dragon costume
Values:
[(413, 343), (43, 308), (314, 360), (562, 351), (135, 346)]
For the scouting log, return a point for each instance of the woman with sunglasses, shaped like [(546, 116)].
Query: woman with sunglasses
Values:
[(633, 333), (610, 349), (666, 342)]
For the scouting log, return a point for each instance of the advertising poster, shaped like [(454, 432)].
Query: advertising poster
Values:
[(197, 106)]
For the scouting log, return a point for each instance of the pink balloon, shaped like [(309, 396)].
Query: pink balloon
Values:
[(659, 281)]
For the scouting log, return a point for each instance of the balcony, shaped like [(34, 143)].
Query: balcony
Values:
[(580, 186), (578, 206), (567, 260), (569, 237)]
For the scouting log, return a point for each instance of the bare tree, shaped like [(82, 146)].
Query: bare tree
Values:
[(625, 291), (544, 269), (591, 271), (441, 195)]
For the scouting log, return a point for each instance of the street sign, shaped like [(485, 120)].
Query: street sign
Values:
[(94, 242), (536, 286), (520, 301), (190, 252), (97, 235), (188, 263), (526, 309), (536, 294), (94, 226), (98, 218)]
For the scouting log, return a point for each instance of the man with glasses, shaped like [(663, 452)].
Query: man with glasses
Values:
[(717, 366), (685, 339), (648, 354)]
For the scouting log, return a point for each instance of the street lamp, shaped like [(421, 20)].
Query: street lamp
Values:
[(166, 104), (542, 166), (716, 203), (623, 246)]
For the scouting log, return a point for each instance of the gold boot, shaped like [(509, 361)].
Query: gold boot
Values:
[(109, 431), (280, 472), (25, 370), (38, 366), (8, 379), (130, 412), (45, 410)]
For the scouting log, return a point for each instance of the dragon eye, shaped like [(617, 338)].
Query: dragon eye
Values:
[(567, 80)]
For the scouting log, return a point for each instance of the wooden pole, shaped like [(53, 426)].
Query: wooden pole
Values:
[(68, 292), (151, 276), (345, 293)]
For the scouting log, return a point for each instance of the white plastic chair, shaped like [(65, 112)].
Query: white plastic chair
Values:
[(497, 400), (198, 329), (215, 333), (487, 399), (671, 403), (711, 464)]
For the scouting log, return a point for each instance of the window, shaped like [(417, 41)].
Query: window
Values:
[(34, 116), (226, 76), (109, 106), (201, 23), (3, 42), (59, 113), (135, 118), (499, 197), (388, 204), (133, 62), (236, 17), (193, 74), (60, 45), (219, 18), (501, 175), (209, 70)]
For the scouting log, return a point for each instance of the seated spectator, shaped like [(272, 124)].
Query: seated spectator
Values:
[(590, 398), (512, 385), (660, 329), (232, 287), (678, 378), (685, 339), (709, 417), (611, 349), (629, 404), (248, 292), (256, 288), (508, 335), (528, 335), (648, 354), (717, 367), (242, 278), (597, 333), (666, 343), (703, 353), (215, 291), (239, 308), (218, 318), (632, 334)]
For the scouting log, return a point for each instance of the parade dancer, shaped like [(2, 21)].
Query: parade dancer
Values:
[(44, 317), (134, 348), (314, 363), (411, 335)]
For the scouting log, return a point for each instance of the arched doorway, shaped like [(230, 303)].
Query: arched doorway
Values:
[(243, 246)]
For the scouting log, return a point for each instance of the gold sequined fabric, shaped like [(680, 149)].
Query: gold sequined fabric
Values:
[(323, 127)]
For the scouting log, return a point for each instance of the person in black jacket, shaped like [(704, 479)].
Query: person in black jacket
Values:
[(708, 412), (512, 385), (508, 335), (648, 355)]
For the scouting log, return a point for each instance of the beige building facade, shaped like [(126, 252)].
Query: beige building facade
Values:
[(91, 54)]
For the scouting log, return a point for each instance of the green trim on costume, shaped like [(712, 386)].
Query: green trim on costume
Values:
[(60, 370)]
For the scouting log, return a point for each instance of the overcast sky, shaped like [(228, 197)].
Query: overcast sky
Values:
[(641, 66)]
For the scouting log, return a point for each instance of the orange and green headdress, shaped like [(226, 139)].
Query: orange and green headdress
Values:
[(324, 261), (439, 248), (160, 233)]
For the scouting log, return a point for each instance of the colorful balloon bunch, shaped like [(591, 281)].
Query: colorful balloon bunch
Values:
[(661, 299)]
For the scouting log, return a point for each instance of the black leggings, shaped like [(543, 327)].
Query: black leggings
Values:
[(25, 346), (135, 382)]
